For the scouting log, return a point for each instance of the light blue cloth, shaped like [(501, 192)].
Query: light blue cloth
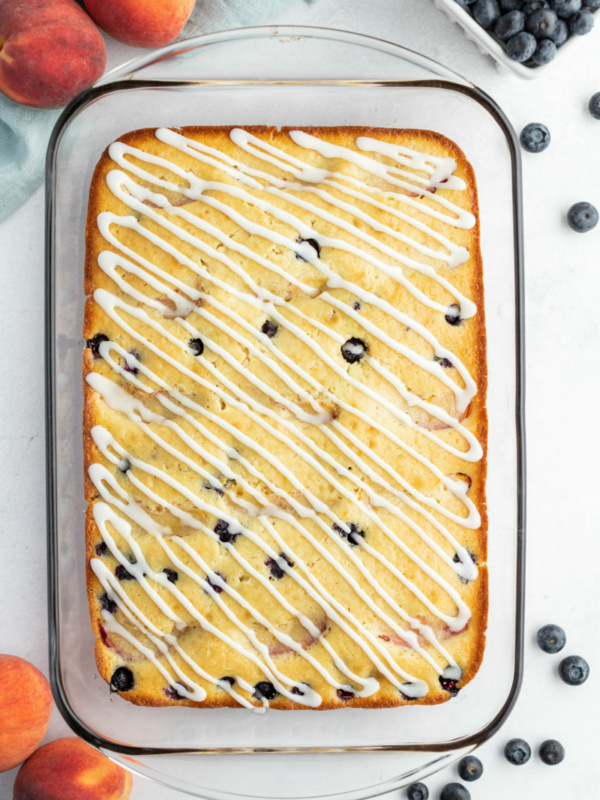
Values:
[(24, 132)]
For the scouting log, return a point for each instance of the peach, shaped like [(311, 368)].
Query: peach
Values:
[(25, 706), (141, 23), (70, 769), (50, 50)]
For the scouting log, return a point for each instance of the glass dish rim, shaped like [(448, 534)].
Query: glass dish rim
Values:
[(105, 86)]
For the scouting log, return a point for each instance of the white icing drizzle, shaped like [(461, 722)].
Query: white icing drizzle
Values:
[(416, 174)]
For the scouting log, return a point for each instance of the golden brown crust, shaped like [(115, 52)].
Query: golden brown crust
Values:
[(107, 657)]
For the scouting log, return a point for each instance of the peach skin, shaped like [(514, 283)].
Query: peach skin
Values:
[(141, 23), (70, 769), (25, 707), (50, 50)]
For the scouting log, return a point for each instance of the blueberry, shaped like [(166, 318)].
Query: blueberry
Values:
[(449, 685), (517, 751), (95, 342), (417, 791), (574, 670), (172, 693), (582, 22), (171, 574), (353, 350), (561, 33), (345, 694), (551, 752), (101, 549), (269, 328), (535, 137), (227, 679), (541, 23), (443, 362), (124, 465), (592, 3), (196, 346), (297, 690), (510, 5), (313, 243), (544, 52), (122, 680), (452, 316), (266, 690), (107, 604), (122, 574), (565, 8), (534, 5), (455, 791), (216, 587), (130, 367), (277, 571), (470, 768), (353, 535), (486, 12), (551, 638), (582, 217), (223, 532), (594, 105), (509, 24), (356, 305)]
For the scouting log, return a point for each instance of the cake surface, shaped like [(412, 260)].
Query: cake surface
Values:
[(284, 420)]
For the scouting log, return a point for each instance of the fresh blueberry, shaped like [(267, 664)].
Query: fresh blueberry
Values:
[(223, 532), (122, 680), (417, 791), (101, 549), (470, 768), (196, 346), (551, 638), (443, 362), (95, 342), (517, 751), (582, 22), (266, 690), (594, 105), (509, 25), (269, 328), (313, 243), (486, 12), (561, 33), (592, 4), (510, 5), (455, 791), (277, 571), (582, 217), (565, 8), (107, 604), (353, 350), (535, 137), (551, 752), (130, 363), (452, 316), (345, 694), (544, 52), (534, 5), (172, 575), (216, 587), (541, 23), (122, 574), (574, 670), (351, 532)]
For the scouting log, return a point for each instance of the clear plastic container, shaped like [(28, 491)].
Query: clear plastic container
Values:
[(283, 76)]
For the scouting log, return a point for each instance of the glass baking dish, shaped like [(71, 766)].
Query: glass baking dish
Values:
[(283, 76)]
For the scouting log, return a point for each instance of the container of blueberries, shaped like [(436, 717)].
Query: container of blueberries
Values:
[(524, 36)]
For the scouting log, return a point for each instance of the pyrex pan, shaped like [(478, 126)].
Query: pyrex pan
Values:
[(284, 76)]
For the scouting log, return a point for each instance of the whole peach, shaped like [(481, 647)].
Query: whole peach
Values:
[(50, 50), (141, 23), (25, 706), (69, 769)]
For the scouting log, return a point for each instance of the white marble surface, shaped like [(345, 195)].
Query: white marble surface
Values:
[(563, 391)]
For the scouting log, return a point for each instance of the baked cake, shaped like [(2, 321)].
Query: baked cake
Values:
[(285, 424)]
